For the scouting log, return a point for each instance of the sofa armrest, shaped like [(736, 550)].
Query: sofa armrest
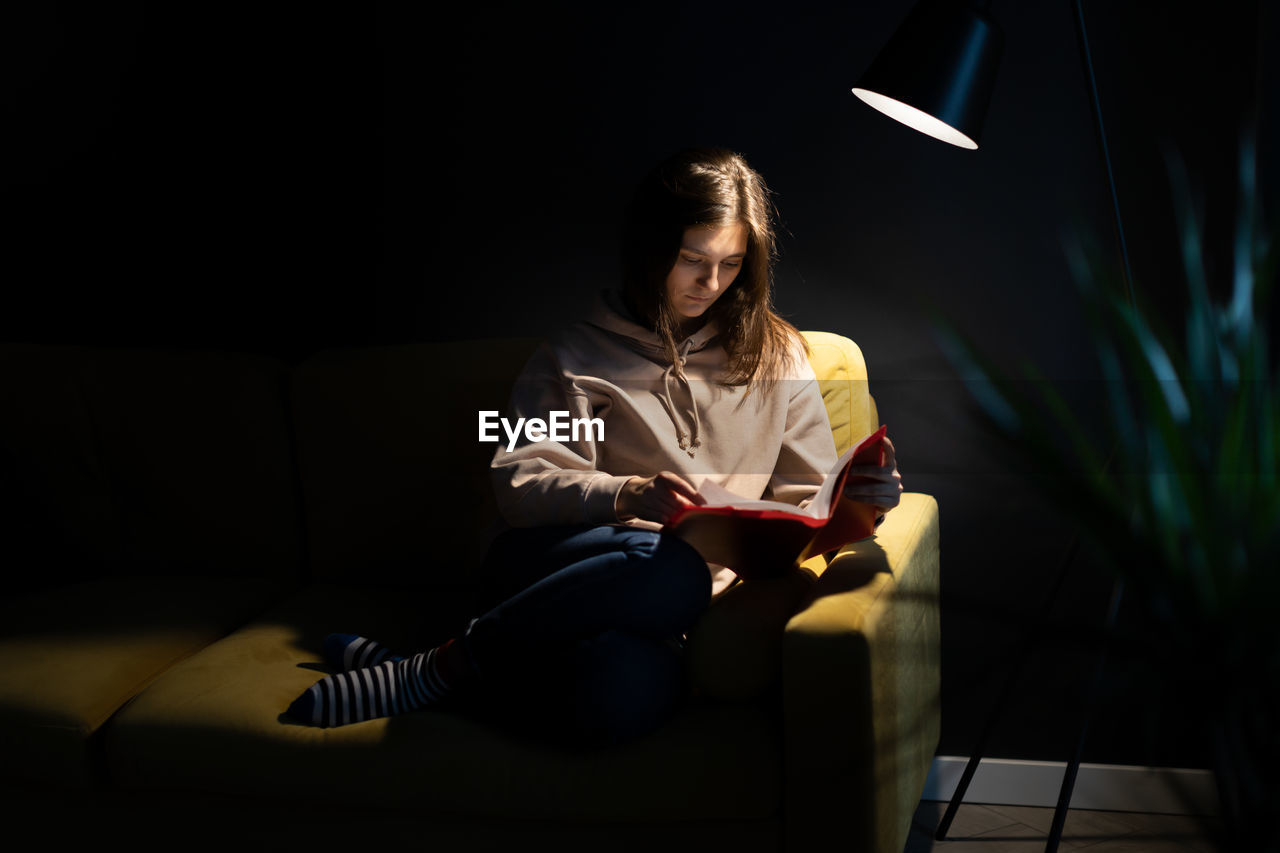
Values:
[(861, 684)]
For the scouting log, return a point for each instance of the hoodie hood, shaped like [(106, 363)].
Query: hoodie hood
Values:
[(610, 314)]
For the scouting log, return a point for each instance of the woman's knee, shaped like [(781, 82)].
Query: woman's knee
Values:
[(676, 574), (671, 561), (519, 557)]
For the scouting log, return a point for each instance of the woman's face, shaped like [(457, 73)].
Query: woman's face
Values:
[(709, 260)]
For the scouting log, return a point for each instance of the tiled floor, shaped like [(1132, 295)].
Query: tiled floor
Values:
[(1018, 829)]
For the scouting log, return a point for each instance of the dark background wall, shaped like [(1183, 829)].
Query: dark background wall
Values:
[(282, 181)]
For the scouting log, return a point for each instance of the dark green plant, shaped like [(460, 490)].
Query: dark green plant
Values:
[(1178, 487)]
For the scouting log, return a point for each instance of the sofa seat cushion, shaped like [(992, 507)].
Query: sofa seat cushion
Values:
[(71, 656), (213, 724)]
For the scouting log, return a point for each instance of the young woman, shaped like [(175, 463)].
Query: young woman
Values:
[(693, 377)]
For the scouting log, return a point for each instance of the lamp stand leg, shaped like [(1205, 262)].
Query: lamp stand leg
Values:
[(1095, 691), (1015, 673)]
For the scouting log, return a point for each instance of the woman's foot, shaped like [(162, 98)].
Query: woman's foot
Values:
[(345, 652), (385, 690)]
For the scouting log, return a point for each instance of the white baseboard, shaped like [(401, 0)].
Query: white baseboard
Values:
[(1107, 787)]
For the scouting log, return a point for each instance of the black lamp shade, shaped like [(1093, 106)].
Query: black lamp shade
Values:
[(937, 72)]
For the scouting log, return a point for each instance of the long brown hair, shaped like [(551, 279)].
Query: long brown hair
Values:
[(708, 186)]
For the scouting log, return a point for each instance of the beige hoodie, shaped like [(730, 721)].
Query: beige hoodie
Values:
[(656, 416)]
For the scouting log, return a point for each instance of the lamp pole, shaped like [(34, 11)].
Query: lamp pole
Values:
[(1086, 59), (935, 75)]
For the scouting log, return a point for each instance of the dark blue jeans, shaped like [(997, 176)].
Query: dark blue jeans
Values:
[(580, 634)]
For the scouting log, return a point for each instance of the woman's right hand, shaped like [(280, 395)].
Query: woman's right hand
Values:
[(656, 498)]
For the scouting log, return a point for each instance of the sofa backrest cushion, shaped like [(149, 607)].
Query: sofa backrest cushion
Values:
[(59, 517), (197, 448), (842, 376), (151, 461), (395, 482)]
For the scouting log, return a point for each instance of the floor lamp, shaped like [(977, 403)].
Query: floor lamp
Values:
[(935, 75)]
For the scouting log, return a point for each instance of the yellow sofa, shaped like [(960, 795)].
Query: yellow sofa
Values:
[(189, 526)]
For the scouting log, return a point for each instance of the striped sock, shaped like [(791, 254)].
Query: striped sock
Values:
[(385, 690), (350, 651)]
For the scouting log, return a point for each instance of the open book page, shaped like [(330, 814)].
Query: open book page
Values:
[(833, 485), (718, 496), (820, 507)]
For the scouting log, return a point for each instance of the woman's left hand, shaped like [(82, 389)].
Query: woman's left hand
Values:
[(880, 486)]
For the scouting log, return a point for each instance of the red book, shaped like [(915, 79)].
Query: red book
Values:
[(760, 538)]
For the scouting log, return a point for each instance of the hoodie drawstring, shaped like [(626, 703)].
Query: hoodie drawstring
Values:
[(689, 442)]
